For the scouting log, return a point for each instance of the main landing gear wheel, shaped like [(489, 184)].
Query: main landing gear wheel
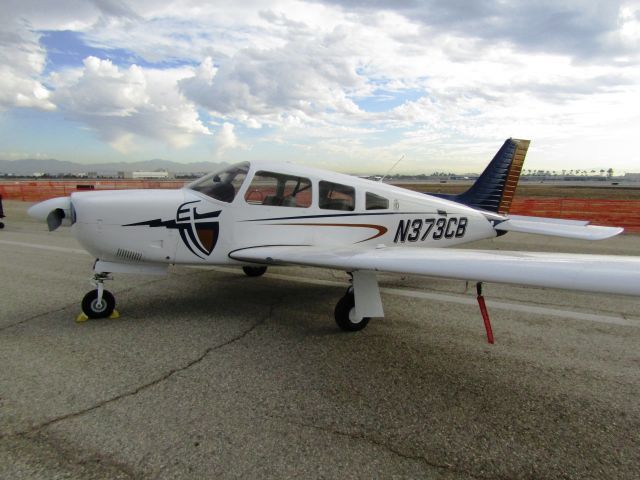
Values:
[(1, 225), (345, 314), (94, 309), (254, 271)]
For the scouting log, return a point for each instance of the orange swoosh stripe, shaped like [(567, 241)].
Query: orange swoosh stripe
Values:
[(381, 230)]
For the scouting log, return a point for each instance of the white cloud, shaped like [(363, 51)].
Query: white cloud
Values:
[(225, 139), (22, 62), (303, 79), (119, 104), (312, 74)]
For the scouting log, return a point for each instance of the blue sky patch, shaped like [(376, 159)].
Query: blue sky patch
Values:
[(68, 49), (385, 100)]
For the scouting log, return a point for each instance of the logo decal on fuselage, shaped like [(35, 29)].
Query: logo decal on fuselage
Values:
[(198, 231)]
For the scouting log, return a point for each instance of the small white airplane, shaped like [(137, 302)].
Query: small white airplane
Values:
[(254, 215)]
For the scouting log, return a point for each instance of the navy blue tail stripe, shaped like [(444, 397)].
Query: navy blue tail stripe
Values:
[(494, 189)]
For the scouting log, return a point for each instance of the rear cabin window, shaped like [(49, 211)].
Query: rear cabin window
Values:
[(376, 202), (278, 189), (334, 196)]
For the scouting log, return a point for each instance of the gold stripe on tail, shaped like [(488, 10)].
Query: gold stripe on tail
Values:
[(513, 175)]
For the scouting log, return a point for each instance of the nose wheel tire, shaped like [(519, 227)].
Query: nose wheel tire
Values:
[(345, 314), (254, 271), (94, 309)]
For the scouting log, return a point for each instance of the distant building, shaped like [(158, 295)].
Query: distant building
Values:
[(634, 177), (157, 175)]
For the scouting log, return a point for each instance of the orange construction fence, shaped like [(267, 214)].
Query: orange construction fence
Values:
[(618, 213), (622, 213), (34, 191)]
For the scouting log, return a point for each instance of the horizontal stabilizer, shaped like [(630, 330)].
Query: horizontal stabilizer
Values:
[(562, 221), (590, 273), (557, 227)]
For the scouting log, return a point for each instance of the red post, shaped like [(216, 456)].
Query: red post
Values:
[(485, 313)]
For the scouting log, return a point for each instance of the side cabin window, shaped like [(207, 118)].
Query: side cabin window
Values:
[(222, 185), (334, 196), (376, 202), (278, 189)]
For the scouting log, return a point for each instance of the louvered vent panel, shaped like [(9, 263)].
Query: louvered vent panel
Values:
[(128, 255)]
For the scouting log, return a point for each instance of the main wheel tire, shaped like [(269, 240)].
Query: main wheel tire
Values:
[(1, 225), (345, 315), (254, 271), (91, 308)]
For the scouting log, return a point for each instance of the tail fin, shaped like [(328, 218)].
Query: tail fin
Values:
[(494, 189)]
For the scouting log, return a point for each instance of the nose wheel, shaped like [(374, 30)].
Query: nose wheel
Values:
[(99, 303), (94, 307)]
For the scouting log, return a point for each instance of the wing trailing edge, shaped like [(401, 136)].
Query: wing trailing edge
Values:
[(590, 273)]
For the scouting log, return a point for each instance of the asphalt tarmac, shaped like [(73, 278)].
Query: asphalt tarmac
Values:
[(211, 374)]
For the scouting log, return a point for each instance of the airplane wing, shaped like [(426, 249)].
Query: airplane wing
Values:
[(592, 273)]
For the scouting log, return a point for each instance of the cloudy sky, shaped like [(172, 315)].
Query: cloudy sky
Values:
[(344, 84)]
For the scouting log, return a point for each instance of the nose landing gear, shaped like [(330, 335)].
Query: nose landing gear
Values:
[(99, 303)]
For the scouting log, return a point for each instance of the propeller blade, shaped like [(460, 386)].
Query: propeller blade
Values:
[(54, 219)]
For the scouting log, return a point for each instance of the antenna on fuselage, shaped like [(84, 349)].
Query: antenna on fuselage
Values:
[(394, 166)]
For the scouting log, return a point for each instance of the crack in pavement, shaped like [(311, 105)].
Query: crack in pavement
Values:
[(69, 305), (29, 319), (152, 383), (68, 458), (362, 437)]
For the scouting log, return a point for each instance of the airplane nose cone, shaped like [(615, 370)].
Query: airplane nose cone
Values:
[(54, 211), (40, 211)]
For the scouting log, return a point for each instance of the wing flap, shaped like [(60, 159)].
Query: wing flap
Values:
[(591, 273)]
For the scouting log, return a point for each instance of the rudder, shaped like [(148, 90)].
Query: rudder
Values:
[(494, 189)]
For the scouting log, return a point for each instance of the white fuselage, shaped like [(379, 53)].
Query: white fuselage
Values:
[(191, 227)]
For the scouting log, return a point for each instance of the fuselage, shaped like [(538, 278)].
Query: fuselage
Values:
[(265, 204)]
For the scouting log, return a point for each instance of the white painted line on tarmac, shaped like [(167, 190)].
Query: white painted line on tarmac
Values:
[(438, 297), (516, 307), (51, 248), (465, 300)]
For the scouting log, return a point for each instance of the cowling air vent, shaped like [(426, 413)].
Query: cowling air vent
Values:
[(128, 255)]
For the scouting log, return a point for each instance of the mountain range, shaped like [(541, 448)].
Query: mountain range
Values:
[(29, 166)]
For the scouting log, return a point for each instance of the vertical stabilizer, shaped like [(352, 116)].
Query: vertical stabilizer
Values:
[(494, 189)]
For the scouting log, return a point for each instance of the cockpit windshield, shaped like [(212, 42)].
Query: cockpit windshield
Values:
[(224, 184)]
